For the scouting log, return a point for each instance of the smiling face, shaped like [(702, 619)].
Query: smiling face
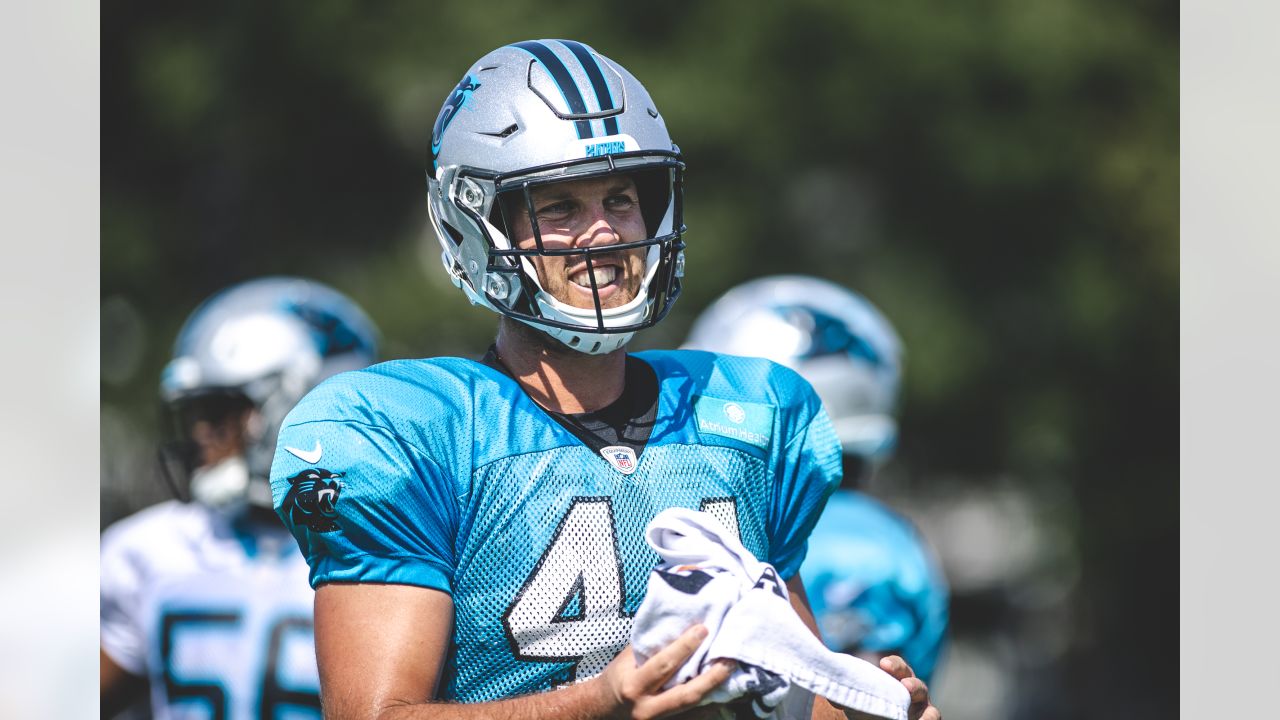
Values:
[(588, 213)]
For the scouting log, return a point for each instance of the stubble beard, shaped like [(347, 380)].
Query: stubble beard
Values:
[(631, 268)]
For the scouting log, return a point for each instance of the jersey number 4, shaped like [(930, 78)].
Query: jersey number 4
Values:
[(572, 607)]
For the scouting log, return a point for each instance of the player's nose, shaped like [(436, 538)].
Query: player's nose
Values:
[(599, 228)]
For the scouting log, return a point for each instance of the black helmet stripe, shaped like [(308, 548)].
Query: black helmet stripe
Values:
[(604, 98), (561, 75)]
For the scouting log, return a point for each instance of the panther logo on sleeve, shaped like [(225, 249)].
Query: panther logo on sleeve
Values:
[(312, 499)]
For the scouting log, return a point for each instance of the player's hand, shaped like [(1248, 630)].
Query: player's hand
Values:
[(636, 692), (920, 708)]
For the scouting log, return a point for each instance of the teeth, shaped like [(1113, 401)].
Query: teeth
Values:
[(604, 276)]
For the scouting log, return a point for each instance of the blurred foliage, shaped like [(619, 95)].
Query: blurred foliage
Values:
[(1000, 177)]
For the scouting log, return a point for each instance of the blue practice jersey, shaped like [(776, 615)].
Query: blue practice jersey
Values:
[(442, 473), (874, 584)]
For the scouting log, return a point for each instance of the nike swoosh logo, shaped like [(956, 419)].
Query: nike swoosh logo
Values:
[(310, 457)]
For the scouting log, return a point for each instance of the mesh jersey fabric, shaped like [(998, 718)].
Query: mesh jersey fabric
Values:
[(874, 584), (442, 473), (211, 614)]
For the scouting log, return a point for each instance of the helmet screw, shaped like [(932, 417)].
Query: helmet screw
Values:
[(471, 195), (680, 265), (496, 285)]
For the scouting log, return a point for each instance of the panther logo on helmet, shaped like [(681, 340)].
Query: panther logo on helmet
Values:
[(456, 100), (828, 335), (332, 333), (312, 499)]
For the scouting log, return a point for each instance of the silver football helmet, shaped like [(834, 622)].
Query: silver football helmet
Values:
[(540, 112), (254, 349), (833, 337)]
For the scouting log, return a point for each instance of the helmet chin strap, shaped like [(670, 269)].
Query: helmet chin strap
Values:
[(590, 343)]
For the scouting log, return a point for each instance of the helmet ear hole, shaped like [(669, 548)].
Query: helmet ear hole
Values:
[(454, 234)]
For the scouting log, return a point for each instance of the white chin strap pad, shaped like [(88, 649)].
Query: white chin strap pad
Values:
[(222, 486), (590, 343)]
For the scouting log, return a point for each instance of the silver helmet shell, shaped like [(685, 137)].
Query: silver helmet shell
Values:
[(538, 112), (833, 337), (268, 341)]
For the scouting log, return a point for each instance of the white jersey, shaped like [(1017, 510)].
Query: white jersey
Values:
[(217, 617)]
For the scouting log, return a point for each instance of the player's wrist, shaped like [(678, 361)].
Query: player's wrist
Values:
[(593, 699), (603, 698)]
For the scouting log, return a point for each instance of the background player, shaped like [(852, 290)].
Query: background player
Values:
[(874, 584), (490, 514), (206, 597)]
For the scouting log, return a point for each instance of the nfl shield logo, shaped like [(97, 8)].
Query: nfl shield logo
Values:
[(623, 459)]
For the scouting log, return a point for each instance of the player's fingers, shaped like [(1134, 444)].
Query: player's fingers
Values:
[(919, 691), (929, 713), (896, 666), (689, 694), (666, 661), (920, 709), (714, 675)]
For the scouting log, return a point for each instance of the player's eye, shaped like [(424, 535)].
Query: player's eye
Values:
[(556, 210), (620, 202)]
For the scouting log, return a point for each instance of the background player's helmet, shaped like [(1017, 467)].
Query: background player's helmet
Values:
[(257, 346), (540, 112), (833, 337)]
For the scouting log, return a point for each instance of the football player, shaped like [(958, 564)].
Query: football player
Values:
[(206, 597), (874, 583), (484, 547)]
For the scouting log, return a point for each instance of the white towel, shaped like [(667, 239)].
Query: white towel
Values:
[(707, 576)]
